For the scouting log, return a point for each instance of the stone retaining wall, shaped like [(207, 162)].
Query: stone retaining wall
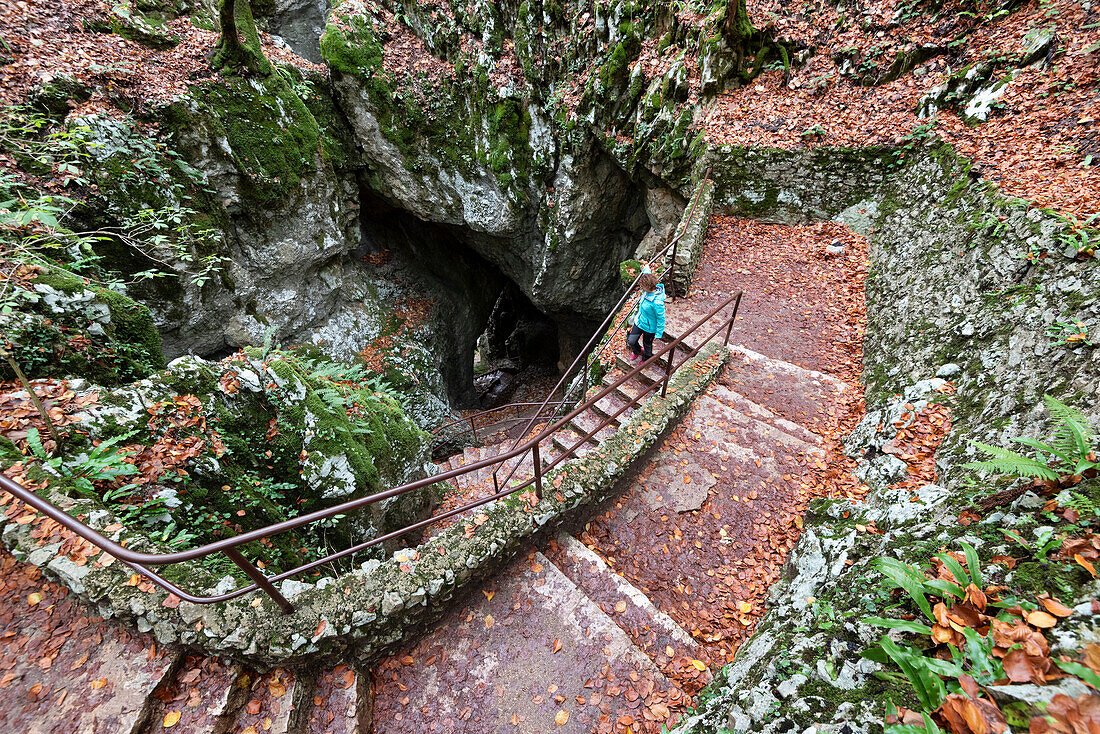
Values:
[(951, 292)]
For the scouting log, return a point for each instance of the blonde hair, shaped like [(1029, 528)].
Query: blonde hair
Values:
[(648, 282)]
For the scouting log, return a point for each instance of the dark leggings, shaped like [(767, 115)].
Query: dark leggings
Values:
[(646, 350)]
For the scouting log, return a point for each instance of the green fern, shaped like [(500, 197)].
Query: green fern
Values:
[(1071, 450), (1081, 503), (1073, 434), (1009, 462)]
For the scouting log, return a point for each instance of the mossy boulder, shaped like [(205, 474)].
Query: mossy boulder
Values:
[(266, 437), (68, 326)]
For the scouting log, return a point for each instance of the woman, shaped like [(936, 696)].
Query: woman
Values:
[(650, 321)]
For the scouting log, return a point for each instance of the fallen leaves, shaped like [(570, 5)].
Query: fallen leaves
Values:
[(171, 719), (561, 718)]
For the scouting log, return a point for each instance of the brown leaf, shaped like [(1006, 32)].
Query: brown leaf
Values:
[(276, 688), (1084, 564), (1055, 607), (253, 707), (1041, 619), (1018, 666), (1007, 561)]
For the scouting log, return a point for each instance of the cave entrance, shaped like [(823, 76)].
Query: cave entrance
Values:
[(519, 347), (480, 317)]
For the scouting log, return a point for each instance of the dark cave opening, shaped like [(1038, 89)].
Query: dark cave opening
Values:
[(480, 316)]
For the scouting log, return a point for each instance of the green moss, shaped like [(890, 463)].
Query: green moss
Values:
[(353, 47), (629, 270), (61, 345), (274, 137)]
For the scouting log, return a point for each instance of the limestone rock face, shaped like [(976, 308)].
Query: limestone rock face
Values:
[(559, 238), (300, 23), (283, 259)]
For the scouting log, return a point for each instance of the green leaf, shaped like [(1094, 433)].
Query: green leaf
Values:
[(1039, 445), (909, 579), (945, 588), (899, 624), (956, 569), (1073, 433), (34, 441), (876, 654), (972, 563), (1085, 673), (926, 683)]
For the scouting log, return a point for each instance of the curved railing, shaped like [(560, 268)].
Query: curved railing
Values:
[(141, 562)]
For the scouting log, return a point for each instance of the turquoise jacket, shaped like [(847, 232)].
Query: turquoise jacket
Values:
[(651, 312)]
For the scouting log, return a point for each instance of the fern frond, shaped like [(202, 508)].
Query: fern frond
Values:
[(1081, 503), (999, 452), (1072, 434), (1045, 448), (1006, 461)]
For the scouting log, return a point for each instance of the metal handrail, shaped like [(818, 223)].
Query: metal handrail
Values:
[(140, 561), (472, 421), (583, 354)]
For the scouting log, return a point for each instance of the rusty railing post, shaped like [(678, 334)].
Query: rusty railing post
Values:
[(668, 369), (672, 267), (729, 329), (261, 580), (473, 428), (538, 470)]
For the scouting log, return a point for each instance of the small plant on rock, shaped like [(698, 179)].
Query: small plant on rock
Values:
[(1070, 334), (1069, 457)]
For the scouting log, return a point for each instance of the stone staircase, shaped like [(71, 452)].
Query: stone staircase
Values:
[(67, 673), (627, 649), (558, 635), (571, 437)]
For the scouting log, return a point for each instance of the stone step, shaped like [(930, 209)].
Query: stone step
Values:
[(340, 703), (610, 404), (650, 629), (648, 376), (754, 410), (586, 422), (797, 394), (779, 365), (205, 691), (529, 652), (566, 440), (603, 410), (273, 703), (63, 670), (582, 425)]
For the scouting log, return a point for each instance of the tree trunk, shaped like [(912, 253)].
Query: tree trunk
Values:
[(234, 17)]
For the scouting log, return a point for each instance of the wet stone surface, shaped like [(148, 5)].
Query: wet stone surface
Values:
[(64, 670), (516, 653)]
